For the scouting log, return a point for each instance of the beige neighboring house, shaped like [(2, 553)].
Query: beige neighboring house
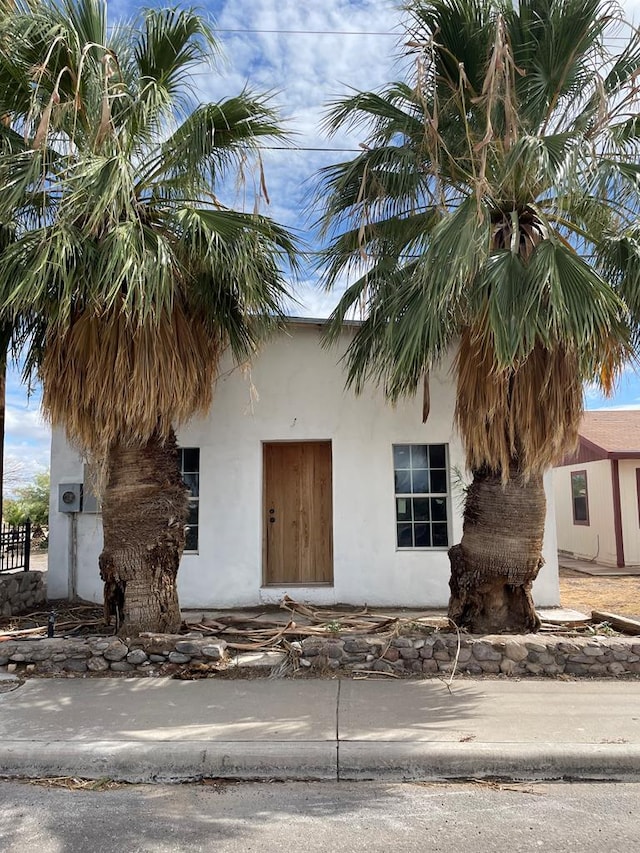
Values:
[(597, 491)]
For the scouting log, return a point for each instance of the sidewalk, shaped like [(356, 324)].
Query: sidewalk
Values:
[(589, 567), (144, 730)]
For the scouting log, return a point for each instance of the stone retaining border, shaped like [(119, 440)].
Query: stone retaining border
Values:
[(529, 655), (21, 591)]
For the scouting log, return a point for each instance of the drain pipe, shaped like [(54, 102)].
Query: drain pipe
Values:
[(70, 503), (73, 556)]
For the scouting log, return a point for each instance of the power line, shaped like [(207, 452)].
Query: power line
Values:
[(307, 32), (306, 148)]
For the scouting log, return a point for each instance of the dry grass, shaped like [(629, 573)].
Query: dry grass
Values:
[(74, 783), (620, 595)]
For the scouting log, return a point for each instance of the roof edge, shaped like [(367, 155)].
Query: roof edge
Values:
[(318, 321)]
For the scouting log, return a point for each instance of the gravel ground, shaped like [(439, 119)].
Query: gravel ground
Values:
[(577, 591), (620, 595)]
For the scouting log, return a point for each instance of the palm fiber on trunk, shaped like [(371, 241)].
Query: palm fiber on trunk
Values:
[(495, 564), (144, 513)]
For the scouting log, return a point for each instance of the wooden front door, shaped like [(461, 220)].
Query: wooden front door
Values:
[(298, 529)]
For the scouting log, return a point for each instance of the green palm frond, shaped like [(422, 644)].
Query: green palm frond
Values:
[(170, 46), (383, 182), (394, 110), (476, 216), (213, 138), (121, 253)]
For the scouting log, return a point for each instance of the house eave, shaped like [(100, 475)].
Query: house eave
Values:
[(319, 321)]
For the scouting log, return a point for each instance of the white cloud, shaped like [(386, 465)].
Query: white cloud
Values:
[(27, 437), (303, 72), (27, 423)]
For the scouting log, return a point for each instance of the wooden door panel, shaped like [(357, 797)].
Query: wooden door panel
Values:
[(298, 531), (319, 564)]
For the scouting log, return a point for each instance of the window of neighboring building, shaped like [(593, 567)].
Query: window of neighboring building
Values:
[(421, 493), (580, 497), (190, 471)]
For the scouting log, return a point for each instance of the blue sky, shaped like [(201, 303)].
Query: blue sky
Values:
[(306, 52)]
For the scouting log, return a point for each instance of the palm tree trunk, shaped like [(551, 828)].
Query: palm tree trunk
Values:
[(495, 564), (3, 409), (144, 512), (6, 333)]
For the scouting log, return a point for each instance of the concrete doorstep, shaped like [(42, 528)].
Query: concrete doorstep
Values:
[(145, 730)]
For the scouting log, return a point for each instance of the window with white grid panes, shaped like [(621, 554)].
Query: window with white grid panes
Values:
[(190, 472), (421, 491)]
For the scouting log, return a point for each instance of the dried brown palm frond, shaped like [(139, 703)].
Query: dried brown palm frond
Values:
[(531, 410), (110, 381)]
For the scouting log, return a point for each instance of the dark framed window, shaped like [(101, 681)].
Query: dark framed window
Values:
[(580, 497), (190, 472), (421, 484)]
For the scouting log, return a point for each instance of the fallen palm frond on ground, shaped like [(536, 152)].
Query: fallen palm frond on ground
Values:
[(75, 783), (251, 630), (16, 634), (254, 632), (69, 619)]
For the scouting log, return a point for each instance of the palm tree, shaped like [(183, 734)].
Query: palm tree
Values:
[(138, 276), (13, 330), (471, 221)]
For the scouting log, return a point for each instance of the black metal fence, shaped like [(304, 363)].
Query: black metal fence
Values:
[(15, 546)]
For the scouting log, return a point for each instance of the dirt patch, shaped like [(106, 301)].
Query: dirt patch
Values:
[(582, 592), (79, 619), (578, 591)]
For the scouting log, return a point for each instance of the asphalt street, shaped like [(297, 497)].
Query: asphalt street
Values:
[(322, 817)]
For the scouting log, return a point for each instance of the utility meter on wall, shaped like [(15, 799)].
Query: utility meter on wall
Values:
[(69, 497)]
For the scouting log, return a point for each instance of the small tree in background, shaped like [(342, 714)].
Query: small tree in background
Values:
[(29, 502)]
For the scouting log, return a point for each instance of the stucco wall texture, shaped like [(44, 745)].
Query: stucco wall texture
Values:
[(295, 392)]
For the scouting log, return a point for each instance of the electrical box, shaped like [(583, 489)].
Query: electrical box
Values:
[(69, 497), (90, 502)]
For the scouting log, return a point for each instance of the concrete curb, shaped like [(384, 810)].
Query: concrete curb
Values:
[(419, 761), (170, 761)]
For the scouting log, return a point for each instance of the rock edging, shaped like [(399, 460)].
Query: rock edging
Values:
[(100, 654), (21, 591), (440, 653), (527, 655)]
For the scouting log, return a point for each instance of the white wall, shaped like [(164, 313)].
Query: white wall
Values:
[(67, 467), (546, 587), (597, 540), (629, 507), (296, 392)]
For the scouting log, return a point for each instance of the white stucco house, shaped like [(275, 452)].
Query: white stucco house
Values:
[(300, 487)]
